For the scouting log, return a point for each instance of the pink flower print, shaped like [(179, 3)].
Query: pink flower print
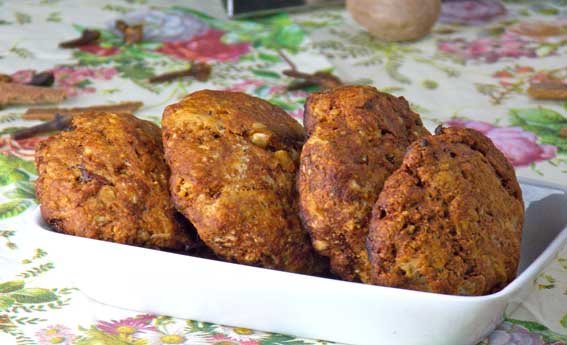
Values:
[(73, 79), (480, 126), (127, 326), (76, 80), (508, 334), (206, 47), (23, 148), (520, 147), (297, 114), (488, 49), (23, 76), (56, 334), (471, 12)]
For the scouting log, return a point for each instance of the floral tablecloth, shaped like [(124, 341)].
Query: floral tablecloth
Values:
[(472, 71)]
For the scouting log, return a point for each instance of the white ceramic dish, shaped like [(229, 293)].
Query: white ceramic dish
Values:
[(194, 288)]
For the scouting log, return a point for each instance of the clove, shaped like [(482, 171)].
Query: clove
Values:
[(60, 122), (324, 80), (87, 37), (198, 70), (45, 79), (131, 34)]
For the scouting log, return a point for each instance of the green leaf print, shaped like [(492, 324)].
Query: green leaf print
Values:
[(429, 84), (35, 271), (287, 36), (269, 57), (563, 321), (21, 52), (275, 339), (548, 335), (33, 295), (266, 73), (545, 281), (54, 17), (12, 176), (563, 263), (88, 59), (9, 130), (116, 8), (14, 169), (23, 190), (6, 302), (13, 208), (541, 117), (11, 286), (545, 123), (392, 67), (199, 326), (22, 18), (96, 336), (284, 105)]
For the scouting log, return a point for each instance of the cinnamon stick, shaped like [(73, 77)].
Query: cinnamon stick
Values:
[(49, 113), (548, 91), (13, 93), (131, 34), (4, 78)]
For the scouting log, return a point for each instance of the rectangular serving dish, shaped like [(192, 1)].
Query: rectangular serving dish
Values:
[(194, 288)]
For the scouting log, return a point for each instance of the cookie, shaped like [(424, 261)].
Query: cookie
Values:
[(234, 159), (357, 138), (106, 179), (449, 220)]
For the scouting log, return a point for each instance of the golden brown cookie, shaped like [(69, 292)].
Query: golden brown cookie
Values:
[(357, 138), (234, 159), (449, 220), (106, 178)]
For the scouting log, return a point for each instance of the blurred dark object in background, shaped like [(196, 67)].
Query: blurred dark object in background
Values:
[(248, 8)]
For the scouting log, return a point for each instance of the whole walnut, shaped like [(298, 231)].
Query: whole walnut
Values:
[(395, 20)]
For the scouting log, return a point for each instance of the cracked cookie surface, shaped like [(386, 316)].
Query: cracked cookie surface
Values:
[(449, 220), (234, 160), (106, 179), (357, 138)]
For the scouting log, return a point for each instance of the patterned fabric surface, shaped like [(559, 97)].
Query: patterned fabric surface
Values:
[(473, 71)]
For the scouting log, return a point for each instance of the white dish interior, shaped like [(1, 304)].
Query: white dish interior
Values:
[(195, 288)]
